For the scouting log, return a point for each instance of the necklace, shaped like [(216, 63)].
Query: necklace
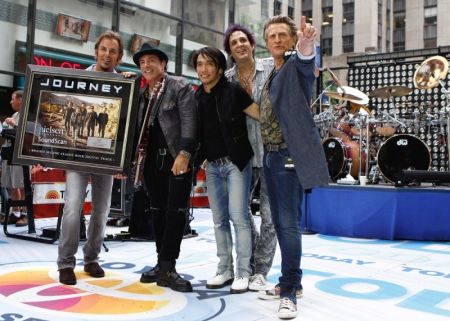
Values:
[(246, 81)]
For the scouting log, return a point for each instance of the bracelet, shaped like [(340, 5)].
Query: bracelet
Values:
[(185, 154)]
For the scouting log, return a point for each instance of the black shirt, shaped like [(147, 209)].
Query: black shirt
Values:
[(212, 124)]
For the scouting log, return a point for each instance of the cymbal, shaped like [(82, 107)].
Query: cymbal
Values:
[(429, 73), (348, 93), (390, 91)]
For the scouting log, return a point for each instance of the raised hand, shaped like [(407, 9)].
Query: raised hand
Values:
[(306, 35)]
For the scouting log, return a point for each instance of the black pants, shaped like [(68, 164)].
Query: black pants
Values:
[(169, 203)]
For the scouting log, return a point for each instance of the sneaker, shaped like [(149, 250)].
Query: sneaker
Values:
[(151, 276), (274, 293), (94, 270), (287, 309), (240, 285), (218, 281), (22, 221), (257, 283), (66, 276)]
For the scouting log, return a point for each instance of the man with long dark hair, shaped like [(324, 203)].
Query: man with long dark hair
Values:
[(223, 107)]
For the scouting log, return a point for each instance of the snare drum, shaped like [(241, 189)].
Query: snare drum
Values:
[(339, 153), (402, 152)]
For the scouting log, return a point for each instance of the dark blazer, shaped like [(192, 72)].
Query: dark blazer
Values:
[(290, 94), (232, 121), (177, 115)]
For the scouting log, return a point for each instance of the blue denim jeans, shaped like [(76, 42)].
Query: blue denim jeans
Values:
[(228, 193), (285, 196), (76, 183)]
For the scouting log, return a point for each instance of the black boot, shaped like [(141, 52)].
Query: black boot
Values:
[(152, 275), (169, 277)]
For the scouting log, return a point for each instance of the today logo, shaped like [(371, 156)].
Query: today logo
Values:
[(52, 194), (110, 298)]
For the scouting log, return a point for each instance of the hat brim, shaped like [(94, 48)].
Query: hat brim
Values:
[(161, 55)]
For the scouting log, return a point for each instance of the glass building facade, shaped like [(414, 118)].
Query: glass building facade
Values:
[(31, 32)]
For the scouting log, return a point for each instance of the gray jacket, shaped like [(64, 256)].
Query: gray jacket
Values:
[(177, 115), (262, 71), (290, 94)]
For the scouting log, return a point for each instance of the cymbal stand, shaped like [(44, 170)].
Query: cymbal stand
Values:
[(393, 118), (367, 145), (319, 97), (361, 120)]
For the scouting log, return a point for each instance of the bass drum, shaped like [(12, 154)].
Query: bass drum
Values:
[(339, 153), (401, 152)]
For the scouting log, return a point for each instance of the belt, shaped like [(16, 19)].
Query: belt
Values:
[(162, 151), (275, 147), (221, 161)]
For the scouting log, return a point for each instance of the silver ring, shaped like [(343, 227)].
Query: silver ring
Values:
[(181, 172)]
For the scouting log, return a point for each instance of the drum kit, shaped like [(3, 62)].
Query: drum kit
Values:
[(362, 144)]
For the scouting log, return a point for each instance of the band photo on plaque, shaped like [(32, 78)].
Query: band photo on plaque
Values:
[(76, 119)]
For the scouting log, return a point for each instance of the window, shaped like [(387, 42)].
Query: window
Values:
[(430, 3), (430, 43), (308, 15), (307, 5), (348, 12), (327, 47), (430, 24), (265, 9), (347, 43), (399, 5), (348, 29), (291, 9), (276, 7)]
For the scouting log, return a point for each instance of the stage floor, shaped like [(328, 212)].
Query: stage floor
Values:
[(344, 279)]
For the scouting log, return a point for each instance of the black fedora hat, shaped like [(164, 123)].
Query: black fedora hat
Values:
[(148, 49)]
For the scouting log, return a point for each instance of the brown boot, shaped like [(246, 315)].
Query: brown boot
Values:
[(22, 221), (94, 270), (66, 276)]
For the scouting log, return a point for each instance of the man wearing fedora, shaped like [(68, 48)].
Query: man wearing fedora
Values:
[(167, 114)]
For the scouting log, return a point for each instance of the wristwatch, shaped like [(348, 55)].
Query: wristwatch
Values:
[(185, 154)]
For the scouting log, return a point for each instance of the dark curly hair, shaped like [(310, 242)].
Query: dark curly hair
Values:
[(233, 28)]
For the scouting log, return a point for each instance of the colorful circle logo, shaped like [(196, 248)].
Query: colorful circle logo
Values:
[(52, 195), (110, 298)]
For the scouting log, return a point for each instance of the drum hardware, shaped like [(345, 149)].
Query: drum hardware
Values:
[(393, 118), (430, 74), (390, 91), (319, 98)]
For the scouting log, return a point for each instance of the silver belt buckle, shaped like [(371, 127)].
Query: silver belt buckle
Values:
[(162, 151)]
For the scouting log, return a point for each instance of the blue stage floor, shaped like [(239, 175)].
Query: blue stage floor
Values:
[(344, 279)]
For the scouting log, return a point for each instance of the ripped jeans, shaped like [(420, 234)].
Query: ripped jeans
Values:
[(169, 202)]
